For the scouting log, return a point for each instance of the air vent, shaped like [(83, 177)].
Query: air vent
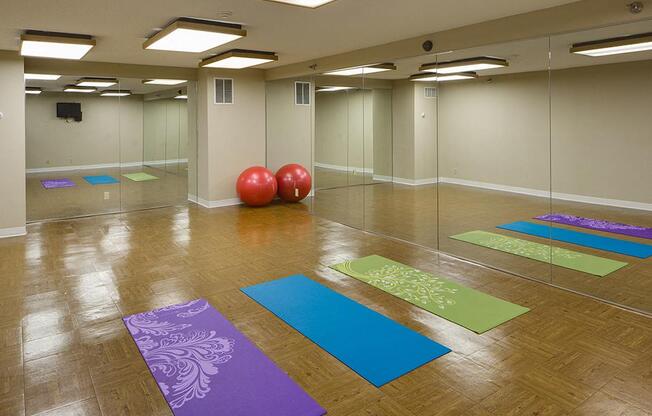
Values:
[(223, 91), (302, 93), (430, 92)]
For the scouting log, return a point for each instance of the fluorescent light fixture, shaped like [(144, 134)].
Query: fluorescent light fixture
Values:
[(194, 35), (363, 70), (465, 65), (42, 77), (614, 46), (313, 4), (443, 77), (164, 81), (238, 59), (333, 89), (181, 97), (75, 88), (33, 90), (115, 93), (55, 45), (97, 82)]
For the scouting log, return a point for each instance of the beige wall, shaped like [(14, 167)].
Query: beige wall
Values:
[(403, 128), (12, 145), (382, 131), (425, 134), (111, 131), (500, 132), (165, 130), (231, 136), (289, 126)]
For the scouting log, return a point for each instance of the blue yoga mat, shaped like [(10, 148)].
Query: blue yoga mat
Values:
[(375, 347), (628, 248), (101, 180)]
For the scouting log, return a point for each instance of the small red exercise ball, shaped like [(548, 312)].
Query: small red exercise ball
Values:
[(256, 186), (294, 182)]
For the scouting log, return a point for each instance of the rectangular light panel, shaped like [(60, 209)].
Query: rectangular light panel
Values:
[(362, 70), (97, 82), (42, 77), (115, 93), (443, 77), (164, 81), (615, 46), (55, 46), (238, 59), (181, 97), (194, 35), (334, 89), (33, 91), (304, 3), (83, 90), (465, 65)]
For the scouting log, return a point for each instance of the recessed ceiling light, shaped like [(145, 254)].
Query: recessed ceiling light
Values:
[(194, 35), (333, 89), (42, 77), (97, 82), (181, 97), (614, 46), (238, 59), (465, 65), (33, 90), (363, 70), (443, 77), (115, 93), (55, 45), (304, 3), (75, 88), (164, 81)]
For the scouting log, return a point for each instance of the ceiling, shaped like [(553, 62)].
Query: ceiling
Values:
[(134, 85), (296, 34)]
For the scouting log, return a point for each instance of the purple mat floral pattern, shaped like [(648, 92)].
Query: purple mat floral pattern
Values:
[(599, 225), (57, 183), (203, 365)]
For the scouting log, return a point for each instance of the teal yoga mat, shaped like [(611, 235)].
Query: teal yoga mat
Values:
[(614, 245), (377, 348)]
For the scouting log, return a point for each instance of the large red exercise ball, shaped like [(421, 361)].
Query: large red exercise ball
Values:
[(294, 182), (256, 186)]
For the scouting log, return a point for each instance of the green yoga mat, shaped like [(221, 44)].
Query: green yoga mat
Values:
[(140, 176), (464, 306), (569, 259)]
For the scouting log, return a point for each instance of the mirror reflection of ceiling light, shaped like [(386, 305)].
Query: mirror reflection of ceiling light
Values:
[(33, 90), (181, 97), (82, 90), (42, 77), (194, 35), (304, 3), (115, 93), (96, 82), (443, 77), (614, 46), (334, 89), (55, 45), (465, 65), (238, 59), (164, 81), (363, 70)]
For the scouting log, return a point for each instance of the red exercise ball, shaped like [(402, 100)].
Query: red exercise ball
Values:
[(256, 186), (294, 182)]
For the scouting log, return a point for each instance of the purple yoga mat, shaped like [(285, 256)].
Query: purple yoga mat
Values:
[(57, 183), (205, 366), (599, 225)]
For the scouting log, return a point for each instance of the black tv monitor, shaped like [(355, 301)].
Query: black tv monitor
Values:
[(69, 110)]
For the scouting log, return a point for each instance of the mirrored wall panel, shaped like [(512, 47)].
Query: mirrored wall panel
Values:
[(602, 160), (99, 145)]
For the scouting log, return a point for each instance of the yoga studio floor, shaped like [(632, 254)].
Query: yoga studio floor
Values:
[(170, 188), (65, 351)]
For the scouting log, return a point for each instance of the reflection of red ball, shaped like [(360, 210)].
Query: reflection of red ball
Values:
[(256, 186), (294, 182)]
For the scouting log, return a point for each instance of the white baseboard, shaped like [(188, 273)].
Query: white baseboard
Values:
[(555, 195), (193, 198), (405, 181), (340, 168), (218, 203), (106, 166), (12, 232)]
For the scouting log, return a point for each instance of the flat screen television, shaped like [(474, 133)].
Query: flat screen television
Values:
[(69, 110)]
